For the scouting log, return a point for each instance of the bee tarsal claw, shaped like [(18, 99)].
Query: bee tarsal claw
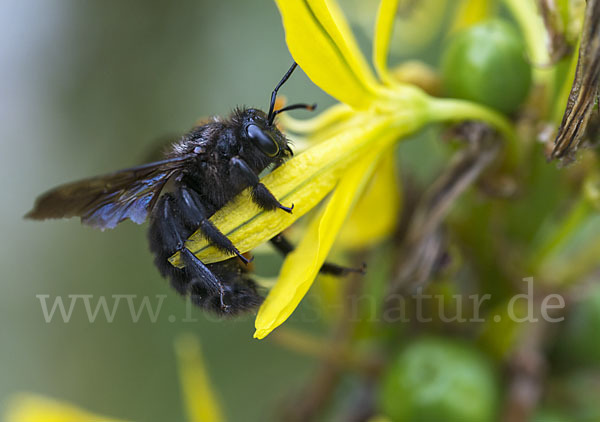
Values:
[(286, 209)]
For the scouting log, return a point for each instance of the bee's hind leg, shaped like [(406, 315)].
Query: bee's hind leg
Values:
[(284, 246), (196, 269), (167, 235)]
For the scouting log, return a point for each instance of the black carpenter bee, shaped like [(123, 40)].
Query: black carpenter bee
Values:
[(202, 171)]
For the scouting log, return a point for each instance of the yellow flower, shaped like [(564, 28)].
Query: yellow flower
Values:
[(350, 140), (36, 408), (199, 399)]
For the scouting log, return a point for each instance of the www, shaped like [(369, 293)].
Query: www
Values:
[(101, 304)]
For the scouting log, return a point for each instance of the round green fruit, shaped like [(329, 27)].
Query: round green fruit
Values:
[(436, 379), (487, 63)]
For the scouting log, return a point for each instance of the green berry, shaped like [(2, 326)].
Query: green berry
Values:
[(487, 63), (436, 379)]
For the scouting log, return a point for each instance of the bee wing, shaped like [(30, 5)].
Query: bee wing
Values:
[(104, 201)]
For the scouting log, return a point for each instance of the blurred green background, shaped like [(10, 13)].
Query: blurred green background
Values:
[(88, 88)]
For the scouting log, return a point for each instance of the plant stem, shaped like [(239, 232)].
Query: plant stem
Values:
[(448, 109)]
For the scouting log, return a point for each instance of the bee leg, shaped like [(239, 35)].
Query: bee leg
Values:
[(194, 216), (242, 175), (285, 247), (171, 231), (198, 271)]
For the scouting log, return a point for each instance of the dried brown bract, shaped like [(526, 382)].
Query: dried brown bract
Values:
[(585, 87)]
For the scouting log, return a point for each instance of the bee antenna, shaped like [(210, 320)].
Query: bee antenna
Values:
[(271, 115), (309, 107)]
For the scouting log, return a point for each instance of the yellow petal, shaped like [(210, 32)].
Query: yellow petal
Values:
[(386, 16), (27, 407), (335, 129), (199, 398), (303, 181), (329, 13), (470, 12), (302, 265), (418, 24), (322, 44), (377, 211)]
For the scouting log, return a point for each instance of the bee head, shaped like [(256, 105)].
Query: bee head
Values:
[(265, 137), (268, 131), (259, 127)]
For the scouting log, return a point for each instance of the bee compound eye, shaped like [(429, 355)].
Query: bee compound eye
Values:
[(262, 140)]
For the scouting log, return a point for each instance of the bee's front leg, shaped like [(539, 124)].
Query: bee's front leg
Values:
[(242, 174)]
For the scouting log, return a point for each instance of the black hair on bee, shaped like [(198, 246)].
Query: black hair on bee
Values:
[(205, 169)]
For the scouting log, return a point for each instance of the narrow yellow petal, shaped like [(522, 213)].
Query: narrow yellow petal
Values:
[(386, 17), (418, 24), (329, 13), (198, 395), (28, 407), (320, 41), (470, 12), (335, 129), (301, 266), (377, 212), (303, 181)]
